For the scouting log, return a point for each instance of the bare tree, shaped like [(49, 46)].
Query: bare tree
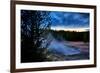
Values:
[(34, 26)]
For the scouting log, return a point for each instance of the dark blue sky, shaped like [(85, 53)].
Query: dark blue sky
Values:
[(70, 19)]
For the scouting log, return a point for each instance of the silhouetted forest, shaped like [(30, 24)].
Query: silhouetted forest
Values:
[(71, 35), (34, 26)]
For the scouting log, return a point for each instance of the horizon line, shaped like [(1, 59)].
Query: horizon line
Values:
[(70, 29)]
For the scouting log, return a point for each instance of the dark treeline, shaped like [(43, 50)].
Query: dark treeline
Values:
[(71, 35)]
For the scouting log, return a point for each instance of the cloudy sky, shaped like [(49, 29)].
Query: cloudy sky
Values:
[(64, 20)]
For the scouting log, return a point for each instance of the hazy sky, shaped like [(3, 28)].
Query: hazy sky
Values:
[(69, 20)]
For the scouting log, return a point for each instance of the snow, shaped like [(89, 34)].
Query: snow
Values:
[(61, 48), (58, 47), (48, 38)]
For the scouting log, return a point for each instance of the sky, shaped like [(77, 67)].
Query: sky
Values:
[(64, 20)]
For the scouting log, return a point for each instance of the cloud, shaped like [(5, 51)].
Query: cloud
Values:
[(70, 19)]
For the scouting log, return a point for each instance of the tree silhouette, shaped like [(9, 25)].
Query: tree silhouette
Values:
[(34, 26)]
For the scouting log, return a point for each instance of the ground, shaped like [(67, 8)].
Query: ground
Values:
[(67, 50)]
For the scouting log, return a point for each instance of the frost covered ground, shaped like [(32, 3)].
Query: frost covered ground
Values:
[(62, 48), (65, 50)]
